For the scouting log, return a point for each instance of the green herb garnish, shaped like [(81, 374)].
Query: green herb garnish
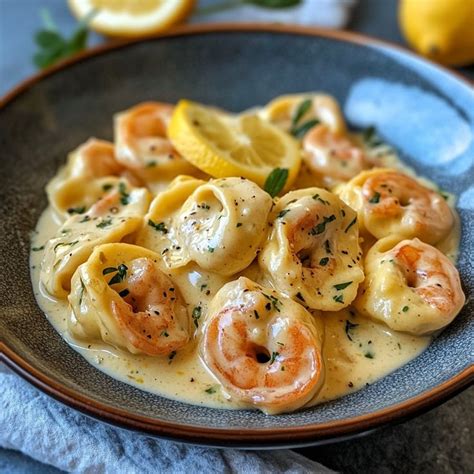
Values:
[(301, 111), (353, 221), (274, 356), (52, 46), (338, 298), (124, 293), (283, 213), (349, 327), (104, 223), (342, 286), (405, 309), (160, 226), (375, 198), (76, 210), (120, 275), (37, 249), (324, 261), (369, 355), (197, 311), (321, 227), (276, 181), (300, 132), (210, 390)]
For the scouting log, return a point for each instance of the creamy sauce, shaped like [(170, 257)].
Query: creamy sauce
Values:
[(356, 351)]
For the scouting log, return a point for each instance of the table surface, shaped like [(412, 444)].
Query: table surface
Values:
[(439, 441)]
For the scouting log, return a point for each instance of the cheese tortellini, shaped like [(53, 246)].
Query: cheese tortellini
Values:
[(111, 219), (142, 144), (91, 170), (313, 253), (410, 286), (121, 296), (389, 202), (220, 226), (264, 348)]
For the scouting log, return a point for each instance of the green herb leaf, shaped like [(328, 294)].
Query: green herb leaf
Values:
[(37, 249), (300, 131), (283, 213), (370, 137), (324, 261), (349, 327), (274, 356), (52, 46), (76, 210), (350, 225), (197, 311), (120, 275), (160, 226), (321, 227), (338, 298), (375, 198), (342, 286), (104, 223), (300, 111), (108, 270), (124, 196), (369, 355), (210, 390), (124, 293), (405, 309), (276, 181)]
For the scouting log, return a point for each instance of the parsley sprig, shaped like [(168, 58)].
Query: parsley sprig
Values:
[(276, 181), (53, 46)]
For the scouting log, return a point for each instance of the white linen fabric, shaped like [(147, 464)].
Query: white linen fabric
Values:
[(54, 434)]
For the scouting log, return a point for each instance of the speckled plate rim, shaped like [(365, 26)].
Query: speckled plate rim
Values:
[(249, 438)]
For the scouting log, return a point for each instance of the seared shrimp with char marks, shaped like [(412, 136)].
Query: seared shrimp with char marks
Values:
[(121, 296), (264, 348), (390, 202), (410, 285)]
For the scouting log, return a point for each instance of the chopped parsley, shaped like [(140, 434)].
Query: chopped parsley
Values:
[(171, 356), (276, 181), (37, 249), (274, 356), (238, 224), (369, 355), (350, 225), (210, 249), (301, 130), (302, 109), (321, 227), (375, 199), (197, 312), (104, 223), (210, 390), (70, 244), (255, 312), (124, 196), (283, 213), (120, 275), (324, 261), (151, 164), (124, 293), (300, 297), (342, 286), (107, 186), (405, 309), (349, 327), (76, 210), (160, 226), (108, 270), (338, 298), (317, 197)]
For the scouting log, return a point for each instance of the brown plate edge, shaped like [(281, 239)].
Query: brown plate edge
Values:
[(270, 437)]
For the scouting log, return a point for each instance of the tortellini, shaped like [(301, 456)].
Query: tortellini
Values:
[(142, 144), (114, 217), (90, 172), (389, 202), (120, 296), (313, 252), (410, 286), (264, 348), (293, 111), (220, 226)]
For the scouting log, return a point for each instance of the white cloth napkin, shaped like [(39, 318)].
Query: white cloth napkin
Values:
[(52, 433), (322, 13)]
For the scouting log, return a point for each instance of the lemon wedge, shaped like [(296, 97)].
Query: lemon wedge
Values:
[(223, 145), (132, 18)]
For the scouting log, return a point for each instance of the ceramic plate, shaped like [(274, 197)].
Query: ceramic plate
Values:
[(424, 111)]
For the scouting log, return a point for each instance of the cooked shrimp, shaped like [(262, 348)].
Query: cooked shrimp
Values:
[(152, 315), (120, 296), (313, 251), (410, 285), (142, 143), (333, 155), (390, 202), (264, 348)]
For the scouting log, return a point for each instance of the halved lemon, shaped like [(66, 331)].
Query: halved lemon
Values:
[(132, 18), (225, 145)]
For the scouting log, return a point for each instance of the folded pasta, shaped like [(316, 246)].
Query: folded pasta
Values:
[(313, 253), (116, 216), (120, 296)]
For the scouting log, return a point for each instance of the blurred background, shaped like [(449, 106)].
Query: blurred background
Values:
[(37, 33)]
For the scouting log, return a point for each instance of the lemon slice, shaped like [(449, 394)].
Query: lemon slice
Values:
[(132, 18), (225, 145)]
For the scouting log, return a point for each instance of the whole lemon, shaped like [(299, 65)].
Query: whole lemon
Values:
[(442, 30)]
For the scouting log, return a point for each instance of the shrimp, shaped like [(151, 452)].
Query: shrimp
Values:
[(264, 348), (313, 251), (333, 155), (152, 315), (142, 143), (419, 286), (120, 295), (389, 202)]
